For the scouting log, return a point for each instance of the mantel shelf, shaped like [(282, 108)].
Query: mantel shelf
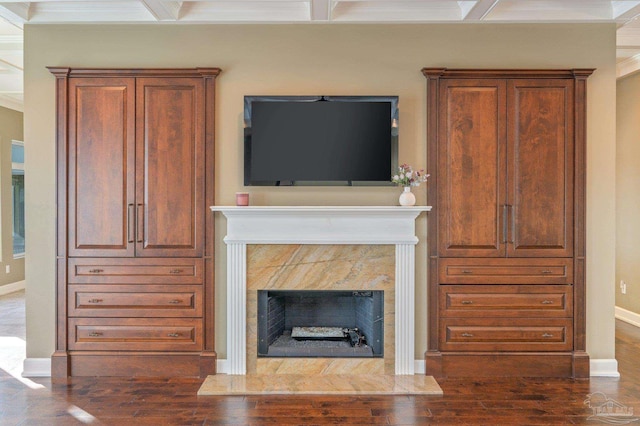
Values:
[(321, 224)]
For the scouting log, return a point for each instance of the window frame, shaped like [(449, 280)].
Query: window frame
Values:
[(20, 168)]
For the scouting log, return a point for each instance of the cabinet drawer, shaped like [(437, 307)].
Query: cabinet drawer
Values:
[(506, 334), (506, 301), (135, 271), (135, 301), (505, 271), (138, 334)]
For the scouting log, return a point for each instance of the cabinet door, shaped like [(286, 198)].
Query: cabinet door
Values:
[(540, 168), (472, 168), (101, 167), (170, 167)]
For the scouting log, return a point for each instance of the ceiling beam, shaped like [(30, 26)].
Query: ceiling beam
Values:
[(16, 13), (163, 10), (479, 10), (12, 68), (8, 101), (628, 66), (628, 14), (321, 10)]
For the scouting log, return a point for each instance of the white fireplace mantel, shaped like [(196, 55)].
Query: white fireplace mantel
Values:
[(321, 225)]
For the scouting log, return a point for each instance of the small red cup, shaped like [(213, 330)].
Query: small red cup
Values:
[(242, 199)]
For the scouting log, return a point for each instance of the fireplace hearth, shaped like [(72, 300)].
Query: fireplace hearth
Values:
[(328, 324)]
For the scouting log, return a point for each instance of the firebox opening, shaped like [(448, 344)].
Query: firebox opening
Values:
[(338, 324)]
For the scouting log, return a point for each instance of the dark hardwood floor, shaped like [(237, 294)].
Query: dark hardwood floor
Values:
[(134, 401)]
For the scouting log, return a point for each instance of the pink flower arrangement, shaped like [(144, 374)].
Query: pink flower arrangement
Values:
[(407, 177)]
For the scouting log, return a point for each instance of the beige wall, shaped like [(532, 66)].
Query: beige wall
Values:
[(10, 129), (319, 59), (628, 192)]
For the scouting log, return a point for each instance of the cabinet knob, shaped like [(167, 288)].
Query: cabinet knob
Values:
[(96, 271), (173, 335), (467, 302), (546, 271), (467, 271), (176, 271), (547, 335), (547, 302), (175, 301), (95, 301), (467, 335), (95, 334)]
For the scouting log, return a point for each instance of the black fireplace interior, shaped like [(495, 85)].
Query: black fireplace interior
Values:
[(294, 323)]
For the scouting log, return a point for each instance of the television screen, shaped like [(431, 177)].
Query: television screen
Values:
[(320, 140)]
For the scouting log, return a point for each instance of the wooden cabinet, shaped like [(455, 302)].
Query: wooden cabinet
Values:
[(135, 245), (507, 149), (136, 166), (506, 158)]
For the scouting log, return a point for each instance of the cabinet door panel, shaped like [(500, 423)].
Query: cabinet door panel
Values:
[(101, 166), (471, 158), (540, 168), (170, 167)]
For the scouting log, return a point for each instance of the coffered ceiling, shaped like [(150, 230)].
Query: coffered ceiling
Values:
[(15, 14)]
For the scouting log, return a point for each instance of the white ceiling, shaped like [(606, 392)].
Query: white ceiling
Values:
[(15, 14)]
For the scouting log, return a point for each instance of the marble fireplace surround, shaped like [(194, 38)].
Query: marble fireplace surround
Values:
[(340, 225)]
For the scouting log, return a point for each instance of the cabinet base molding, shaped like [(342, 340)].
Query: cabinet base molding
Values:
[(123, 364), (208, 363), (532, 364)]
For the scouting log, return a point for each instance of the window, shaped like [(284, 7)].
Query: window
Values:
[(17, 189)]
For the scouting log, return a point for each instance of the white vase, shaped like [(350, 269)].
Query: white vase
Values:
[(407, 198)]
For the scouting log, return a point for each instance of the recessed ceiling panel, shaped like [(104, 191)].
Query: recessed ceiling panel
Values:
[(89, 11), (551, 10), (245, 11), (396, 11)]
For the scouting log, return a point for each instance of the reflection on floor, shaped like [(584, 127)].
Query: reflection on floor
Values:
[(12, 333)]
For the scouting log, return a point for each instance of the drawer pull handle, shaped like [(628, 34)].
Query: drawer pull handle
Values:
[(546, 271), (547, 302), (467, 302), (96, 271), (95, 300), (176, 271), (175, 301), (173, 335), (547, 335), (467, 271), (95, 334), (467, 335)]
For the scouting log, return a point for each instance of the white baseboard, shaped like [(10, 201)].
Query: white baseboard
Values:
[(603, 368), (221, 366), (11, 288), (36, 367), (628, 316), (41, 367)]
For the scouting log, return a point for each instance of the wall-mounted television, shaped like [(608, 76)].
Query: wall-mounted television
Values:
[(320, 140)]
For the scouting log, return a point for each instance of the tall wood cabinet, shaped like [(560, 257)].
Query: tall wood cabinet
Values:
[(506, 240), (135, 291)]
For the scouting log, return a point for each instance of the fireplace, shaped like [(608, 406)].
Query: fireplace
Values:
[(330, 324), (363, 248)]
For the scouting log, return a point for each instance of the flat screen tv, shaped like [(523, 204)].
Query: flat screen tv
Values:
[(320, 140)]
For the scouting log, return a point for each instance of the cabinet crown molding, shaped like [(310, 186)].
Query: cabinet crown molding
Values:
[(134, 72), (503, 73)]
